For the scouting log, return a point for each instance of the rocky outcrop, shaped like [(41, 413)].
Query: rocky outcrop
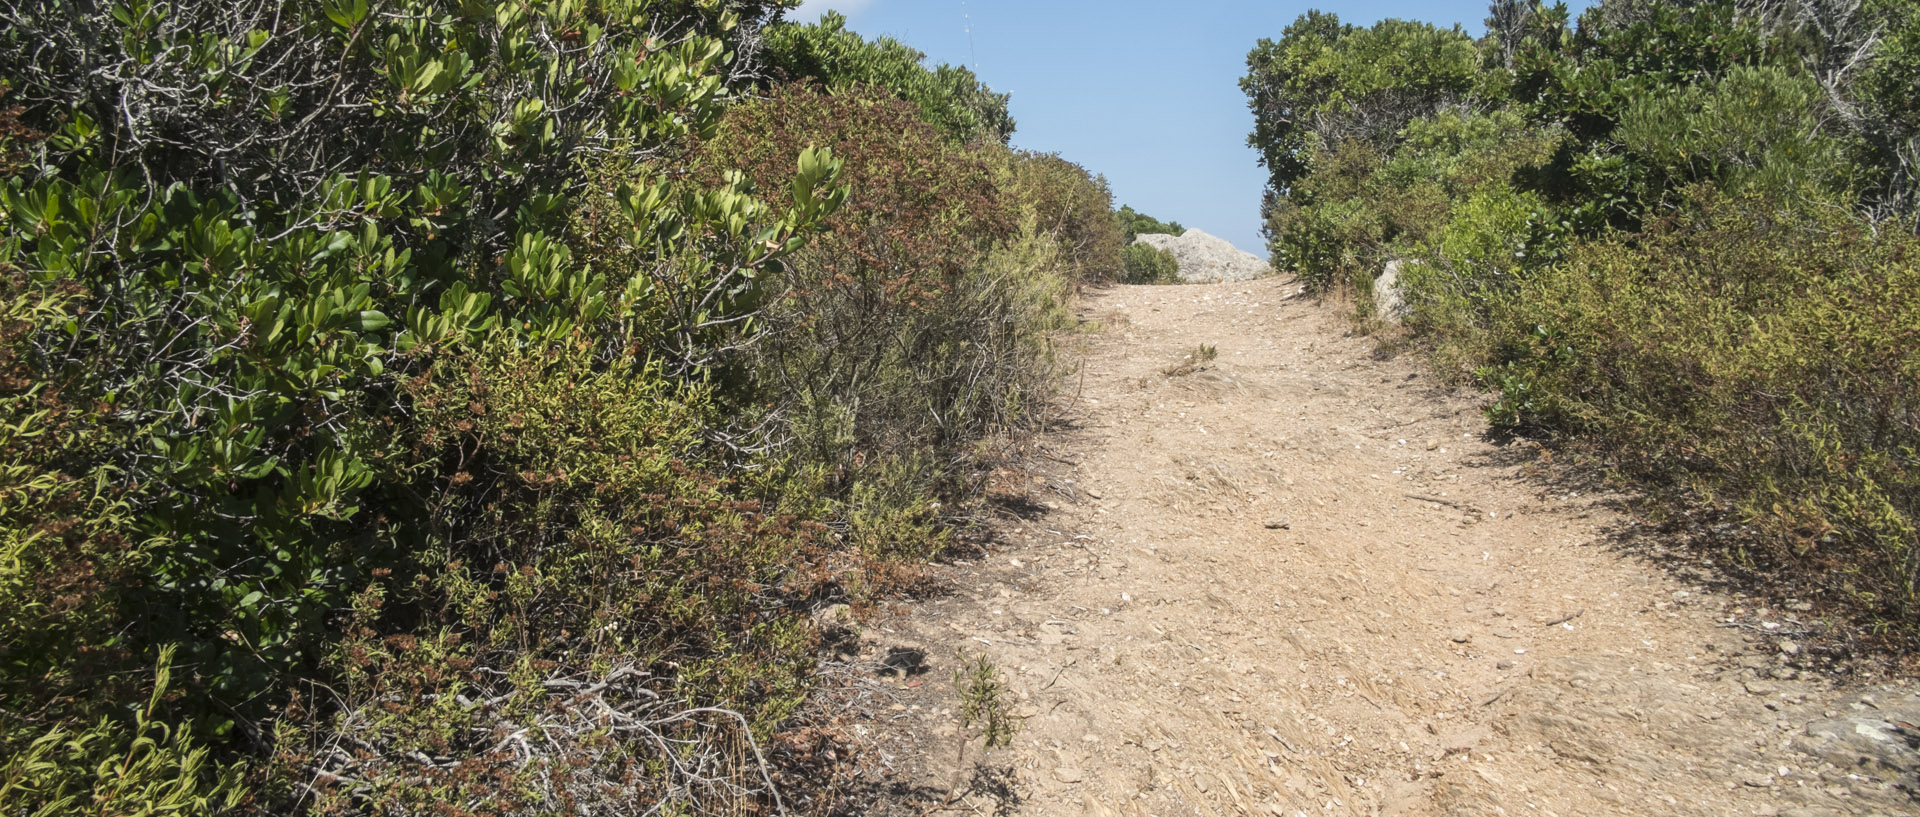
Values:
[(1208, 259)]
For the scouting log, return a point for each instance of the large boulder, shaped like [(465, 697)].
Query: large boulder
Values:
[(1206, 259)]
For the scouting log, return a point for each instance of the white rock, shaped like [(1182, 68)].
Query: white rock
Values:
[(1388, 304)]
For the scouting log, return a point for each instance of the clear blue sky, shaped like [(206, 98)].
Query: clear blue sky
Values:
[(1146, 93)]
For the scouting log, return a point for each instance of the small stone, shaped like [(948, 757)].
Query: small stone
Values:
[(1200, 782), (1279, 523), (1506, 664), (1761, 688), (1433, 445), (1462, 637), (1068, 774), (1759, 782), (1095, 493), (1789, 648)]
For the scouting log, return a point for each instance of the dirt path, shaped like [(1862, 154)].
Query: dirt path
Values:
[(1299, 582)]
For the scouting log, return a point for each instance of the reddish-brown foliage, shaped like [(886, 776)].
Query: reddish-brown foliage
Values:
[(921, 209)]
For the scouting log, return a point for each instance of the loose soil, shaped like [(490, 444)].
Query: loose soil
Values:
[(1301, 580)]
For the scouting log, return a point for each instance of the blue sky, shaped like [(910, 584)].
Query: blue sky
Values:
[(1146, 93)]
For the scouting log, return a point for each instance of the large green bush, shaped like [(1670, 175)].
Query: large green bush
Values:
[(1753, 128), (589, 573), (363, 372), (458, 407), (1888, 95), (949, 97), (1325, 82)]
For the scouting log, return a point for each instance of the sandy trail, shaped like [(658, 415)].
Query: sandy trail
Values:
[(1300, 582)]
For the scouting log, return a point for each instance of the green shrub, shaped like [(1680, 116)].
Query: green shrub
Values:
[(919, 326), (1134, 224), (223, 308), (1752, 360), (1142, 264), (1358, 209), (411, 373), (1888, 95), (587, 574), (1755, 127), (1324, 83), (950, 97), (137, 766), (1072, 207)]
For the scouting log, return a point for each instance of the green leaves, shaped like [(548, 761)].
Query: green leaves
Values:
[(950, 98), (260, 276), (139, 766), (462, 318), (422, 76), (818, 168), (346, 14), (1324, 82), (370, 320), (1755, 126)]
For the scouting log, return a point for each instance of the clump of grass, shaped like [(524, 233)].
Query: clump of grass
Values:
[(985, 712), (1197, 360)]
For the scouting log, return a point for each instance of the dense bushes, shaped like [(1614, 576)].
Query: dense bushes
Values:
[(231, 310), (1134, 224), (949, 97), (388, 386), (1759, 361), (589, 574), (1143, 264), (1325, 82), (1664, 232), (1074, 208), (919, 326)]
